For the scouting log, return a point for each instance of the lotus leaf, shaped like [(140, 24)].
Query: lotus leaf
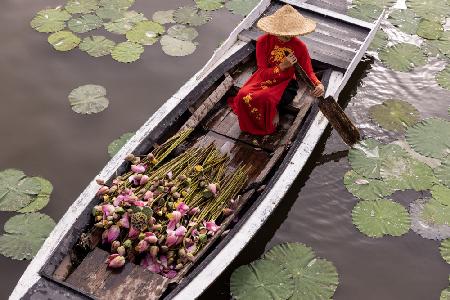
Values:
[(88, 99), (429, 9), (380, 41), (182, 32), (443, 43), (407, 173), (443, 172), (366, 12), (441, 193), (430, 48), (63, 40), (403, 57), (109, 14), (81, 6), (50, 20), (127, 52), (381, 217), (430, 137), (443, 78), (193, 16), (97, 46), (85, 23), (241, 7), (430, 30), (366, 188), (314, 278), (117, 144), (175, 47), (394, 115), (261, 279), (126, 23), (435, 212), (209, 4), (117, 4), (424, 227), (42, 198), (445, 294), (405, 20), (145, 32), (17, 190), (380, 3), (24, 235), (445, 250), (164, 16)]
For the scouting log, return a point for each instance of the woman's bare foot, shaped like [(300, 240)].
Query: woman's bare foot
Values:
[(276, 120)]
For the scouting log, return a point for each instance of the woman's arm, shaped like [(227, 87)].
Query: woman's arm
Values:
[(304, 61), (262, 55)]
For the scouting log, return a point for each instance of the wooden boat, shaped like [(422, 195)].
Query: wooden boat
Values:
[(336, 48)]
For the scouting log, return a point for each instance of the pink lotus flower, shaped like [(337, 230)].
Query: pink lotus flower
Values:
[(154, 251), (133, 233), (115, 261), (170, 175), (174, 219), (125, 221), (151, 264), (148, 195), (182, 208), (118, 200), (140, 168), (193, 211), (140, 203), (171, 274), (171, 238), (212, 187), (181, 231), (113, 233), (121, 250), (102, 190), (151, 238), (211, 227), (163, 260), (107, 209), (191, 249), (144, 180), (142, 246)]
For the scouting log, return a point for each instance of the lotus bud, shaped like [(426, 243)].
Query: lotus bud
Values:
[(121, 250), (193, 211), (169, 175), (115, 261), (190, 256), (171, 253), (181, 231), (156, 227), (176, 195), (127, 244), (166, 189), (227, 211), (171, 240), (182, 252), (159, 213), (202, 184), (106, 198), (150, 156), (136, 160), (138, 168), (152, 221), (138, 177), (115, 245), (151, 238), (179, 267), (164, 210), (160, 188), (170, 261), (110, 222), (119, 210), (154, 251), (141, 236), (170, 204), (148, 195), (129, 157), (103, 190), (100, 181), (109, 218), (99, 225), (212, 187), (164, 249), (202, 238), (141, 246), (98, 218)]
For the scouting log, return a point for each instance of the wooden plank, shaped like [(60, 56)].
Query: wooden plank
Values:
[(339, 6), (130, 282)]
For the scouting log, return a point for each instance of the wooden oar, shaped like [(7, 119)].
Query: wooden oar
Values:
[(334, 113)]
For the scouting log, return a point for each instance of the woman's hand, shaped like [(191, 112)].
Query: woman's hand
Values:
[(288, 62), (319, 91)]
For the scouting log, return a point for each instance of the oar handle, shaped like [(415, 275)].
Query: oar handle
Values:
[(299, 70)]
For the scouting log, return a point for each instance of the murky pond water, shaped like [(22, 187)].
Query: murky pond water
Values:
[(42, 136)]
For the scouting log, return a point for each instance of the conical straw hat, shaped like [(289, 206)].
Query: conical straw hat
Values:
[(286, 21)]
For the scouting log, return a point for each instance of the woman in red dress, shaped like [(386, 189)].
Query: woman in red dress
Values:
[(256, 104)]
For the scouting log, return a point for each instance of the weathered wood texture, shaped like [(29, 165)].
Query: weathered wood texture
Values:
[(334, 5), (334, 42), (130, 282)]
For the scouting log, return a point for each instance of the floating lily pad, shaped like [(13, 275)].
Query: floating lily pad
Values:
[(193, 16), (424, 227), (380, 41), (88, 99), (109, 14), (443, 172), (117, 4), (366, 188), (182, 32), (50, 20), (63, 40), (127, 52), (442, 44), (445, 294), (261, 279), (145, 32), (366, 12), (17, 190), (430, 137), (441, 193), (117, 144), (209, 4), (436, 213), (97, 46), (403, 174), (403, 57), (241, 7), (445, 250), (81, 6), (175, 47), (24, 235), (443, 78), (126, 23), (314, 278), (430, 30), (381, 217), (85, 23), (41, 199), (164, 16), (379, 3), (405, 20), (429, 9), (394, 115)]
